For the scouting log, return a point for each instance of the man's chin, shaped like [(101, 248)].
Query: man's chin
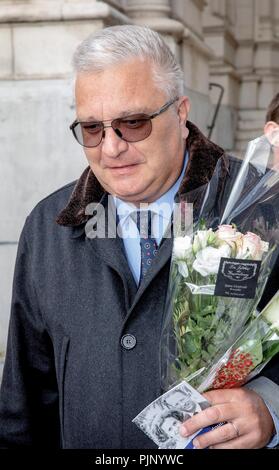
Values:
[(132, 192), (129, 197)]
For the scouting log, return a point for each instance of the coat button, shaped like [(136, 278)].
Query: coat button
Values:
[(128, 341)]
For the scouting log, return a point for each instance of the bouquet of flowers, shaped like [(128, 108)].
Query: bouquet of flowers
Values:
[(213, 335), (218, 274), (204, 324)]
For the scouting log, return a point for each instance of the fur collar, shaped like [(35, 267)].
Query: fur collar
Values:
[(203, 156)]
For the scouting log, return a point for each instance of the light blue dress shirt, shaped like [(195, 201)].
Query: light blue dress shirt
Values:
[(128, 231), (275, 440)]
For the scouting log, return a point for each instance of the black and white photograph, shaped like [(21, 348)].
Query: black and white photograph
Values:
[(162, 418)]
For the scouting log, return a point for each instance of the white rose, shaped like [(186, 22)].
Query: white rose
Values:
[(271, 311), (202, 239), (182, 268), (202, 236), (208, 260), (181, 245)]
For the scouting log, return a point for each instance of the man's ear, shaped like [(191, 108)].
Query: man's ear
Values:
[(183, 111), (271, 130)]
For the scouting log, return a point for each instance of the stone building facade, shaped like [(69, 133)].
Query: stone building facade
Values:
[(232, 43)]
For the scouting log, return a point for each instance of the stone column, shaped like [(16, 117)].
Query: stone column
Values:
[(257, 59), (218, 27), (264, 21), (156, 14), (219, 22), (276, 19), (195, 56), (266, 58), (151, 8), (180, 22), (248, 119)]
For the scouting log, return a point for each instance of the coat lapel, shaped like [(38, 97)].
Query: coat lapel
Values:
[(111, 252), (109, 248)]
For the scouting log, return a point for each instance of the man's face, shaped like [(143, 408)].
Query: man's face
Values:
[(133, 171)]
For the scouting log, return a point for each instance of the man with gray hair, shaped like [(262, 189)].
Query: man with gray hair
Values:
[(83, 349)]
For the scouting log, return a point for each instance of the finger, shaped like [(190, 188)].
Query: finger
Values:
[(224, 395), (243, 442), (213, 415), (221, 434)]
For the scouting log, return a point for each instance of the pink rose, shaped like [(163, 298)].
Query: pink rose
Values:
[(228, 233), (252, 246)]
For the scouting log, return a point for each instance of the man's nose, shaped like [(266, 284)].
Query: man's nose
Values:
[(112, 144)]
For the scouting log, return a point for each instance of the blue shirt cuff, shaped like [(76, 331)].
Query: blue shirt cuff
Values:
[(275, 439)]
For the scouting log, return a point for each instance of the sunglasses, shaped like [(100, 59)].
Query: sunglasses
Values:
[(133, 128)]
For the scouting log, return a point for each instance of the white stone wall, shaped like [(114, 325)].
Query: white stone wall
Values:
[(38, 153)]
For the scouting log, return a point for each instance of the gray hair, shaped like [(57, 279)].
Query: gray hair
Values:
[(117, 44)]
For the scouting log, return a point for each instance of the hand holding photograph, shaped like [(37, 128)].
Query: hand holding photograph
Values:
[(161, 419)]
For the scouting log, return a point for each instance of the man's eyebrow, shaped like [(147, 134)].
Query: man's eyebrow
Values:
[(129, 112), (126, 113)]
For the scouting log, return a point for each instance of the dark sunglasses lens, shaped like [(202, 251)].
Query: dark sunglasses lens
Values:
[(89, 134), (132, 129)]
